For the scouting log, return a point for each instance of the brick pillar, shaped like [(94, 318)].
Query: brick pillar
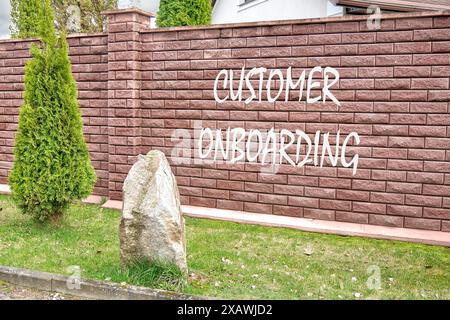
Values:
[(124, 81)]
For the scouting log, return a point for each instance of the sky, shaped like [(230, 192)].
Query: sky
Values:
[(148, 5), (4, 19)]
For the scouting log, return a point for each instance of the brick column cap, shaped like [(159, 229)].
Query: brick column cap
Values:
[(128, 10)]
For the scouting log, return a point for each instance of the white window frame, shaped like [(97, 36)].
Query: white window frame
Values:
[(245, 4)]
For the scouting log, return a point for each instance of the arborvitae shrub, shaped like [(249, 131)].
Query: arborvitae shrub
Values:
[(173, 13), (52, 165), (25, 18)]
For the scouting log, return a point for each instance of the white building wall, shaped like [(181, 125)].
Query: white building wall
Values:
[(230, 11), (147, 5)]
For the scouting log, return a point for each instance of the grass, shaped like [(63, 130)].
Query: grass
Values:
[(230, 260)]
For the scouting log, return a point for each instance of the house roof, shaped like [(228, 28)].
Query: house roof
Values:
[(398, 5)]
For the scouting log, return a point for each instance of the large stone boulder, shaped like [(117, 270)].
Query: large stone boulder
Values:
[(152, 226)]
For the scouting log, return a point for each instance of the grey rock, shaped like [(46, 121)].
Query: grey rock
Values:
[(152, 225)]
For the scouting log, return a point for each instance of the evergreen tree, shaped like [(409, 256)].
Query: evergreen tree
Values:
[(24, 18), (52, 165), (173, 13), (90, 11)]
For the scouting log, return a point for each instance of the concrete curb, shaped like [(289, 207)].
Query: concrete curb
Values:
[(87, 288)]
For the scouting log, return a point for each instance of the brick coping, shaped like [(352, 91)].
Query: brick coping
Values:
[(69, 36), (270, 23), (386, 16), (304, 224), (312, 225), (128, 10)]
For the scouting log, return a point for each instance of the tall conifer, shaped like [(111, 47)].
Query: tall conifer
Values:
[(25, 18), (52, 166)]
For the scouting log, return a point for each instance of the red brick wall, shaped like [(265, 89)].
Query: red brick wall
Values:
[(89, 56), (394, 91)]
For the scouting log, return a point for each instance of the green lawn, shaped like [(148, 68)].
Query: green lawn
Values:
[(230, 260)]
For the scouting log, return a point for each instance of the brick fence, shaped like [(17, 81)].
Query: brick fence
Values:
[(137, 85)]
